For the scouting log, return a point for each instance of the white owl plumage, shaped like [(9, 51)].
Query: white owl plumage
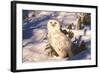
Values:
[(60, 43)]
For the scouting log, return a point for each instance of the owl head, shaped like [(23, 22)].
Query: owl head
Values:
[(53, 25)]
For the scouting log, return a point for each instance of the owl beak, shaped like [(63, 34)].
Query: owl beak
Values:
[(53, 25)]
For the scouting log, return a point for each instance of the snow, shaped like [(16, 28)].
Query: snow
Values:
[(39, 35), (34, 52)]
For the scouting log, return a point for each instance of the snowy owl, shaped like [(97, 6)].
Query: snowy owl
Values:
[(60, 43)]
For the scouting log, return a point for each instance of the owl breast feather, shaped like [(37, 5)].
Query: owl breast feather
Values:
[(59, 41)]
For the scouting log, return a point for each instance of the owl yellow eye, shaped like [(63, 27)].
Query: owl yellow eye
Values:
[(50, 22)]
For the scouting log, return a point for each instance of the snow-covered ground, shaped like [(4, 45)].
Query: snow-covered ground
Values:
[(35, 36)]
